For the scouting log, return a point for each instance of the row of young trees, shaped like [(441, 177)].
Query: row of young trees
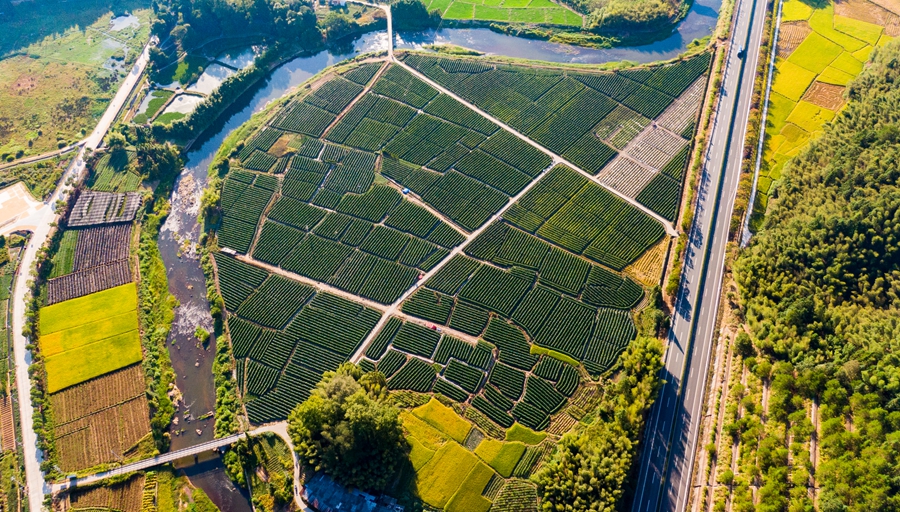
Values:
[(821, 290)]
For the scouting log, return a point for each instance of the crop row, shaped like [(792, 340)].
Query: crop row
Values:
[(363, 74), (443, 309), (319, 334), (416, 375), (276, 290), (350, 254), (239, 223), (334, 95), (620, 127), (555, 107), (580, 216), (260, 161), (262, 141), (301, 117), (466, 201), (465, 376), (99, 245), (237, 280), (661, 195), (397, 83)]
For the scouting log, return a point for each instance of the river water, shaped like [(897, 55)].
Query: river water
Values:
[(192, 361)]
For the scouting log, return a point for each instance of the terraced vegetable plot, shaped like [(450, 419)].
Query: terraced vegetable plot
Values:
[(511, 326), (284, 335)]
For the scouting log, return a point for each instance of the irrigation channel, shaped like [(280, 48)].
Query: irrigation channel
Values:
[(192, 362)]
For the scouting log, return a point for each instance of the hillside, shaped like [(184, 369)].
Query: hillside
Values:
[(820, 285)]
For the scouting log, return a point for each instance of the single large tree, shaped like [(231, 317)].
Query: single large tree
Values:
[(349, 429)]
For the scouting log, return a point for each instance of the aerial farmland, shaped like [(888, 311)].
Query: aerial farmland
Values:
[(481, 232)]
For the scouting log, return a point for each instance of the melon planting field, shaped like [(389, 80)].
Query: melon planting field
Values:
[(821, 49), (374, 218)]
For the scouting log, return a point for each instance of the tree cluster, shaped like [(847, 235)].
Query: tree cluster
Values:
[(589, 470), (349, 429), (191, 22), (821, 287), (413, 15), (622, 17)]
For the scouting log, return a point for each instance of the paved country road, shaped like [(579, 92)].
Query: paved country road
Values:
[(34, 479), (670, 440)]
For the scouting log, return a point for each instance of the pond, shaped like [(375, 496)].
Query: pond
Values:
[(122, 22), (212, 78), (192, 361), (240, 58), (183, 104)]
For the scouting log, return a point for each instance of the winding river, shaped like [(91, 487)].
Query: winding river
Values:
[(192, 361)]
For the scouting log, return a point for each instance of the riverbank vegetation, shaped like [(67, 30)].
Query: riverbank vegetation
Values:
[(819, 291)]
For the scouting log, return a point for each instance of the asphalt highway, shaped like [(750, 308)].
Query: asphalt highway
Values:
[(671, 435)]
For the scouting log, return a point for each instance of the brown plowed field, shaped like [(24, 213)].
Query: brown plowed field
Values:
[(100, 420), (880, 12), (125, 496), (86, 282), (95, 395), (790, 37), (7, 426), (825, 95)]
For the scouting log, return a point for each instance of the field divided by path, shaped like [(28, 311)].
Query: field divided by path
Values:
[(506, 295), (513, 11), (821, 49)]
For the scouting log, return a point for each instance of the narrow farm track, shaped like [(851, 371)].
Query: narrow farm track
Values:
[(718, 393), (42, 157), (359, 96), (318, 285), (392, 310), (557, 159)]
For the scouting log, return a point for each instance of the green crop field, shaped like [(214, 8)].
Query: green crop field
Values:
[(541, 12), (367, 191), (541, 288), (89, 336)]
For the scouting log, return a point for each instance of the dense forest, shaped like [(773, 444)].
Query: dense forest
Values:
[(190, 22), (590, 468), (820, 286)]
